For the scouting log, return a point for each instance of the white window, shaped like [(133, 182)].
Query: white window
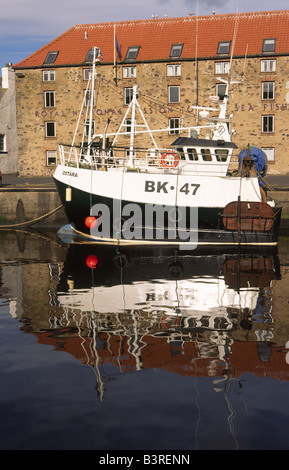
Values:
[(128, 93), (268, 65), (268, 124), (51, 157), (2, 143), (174, 125), (48, 75), (270, 153), (221, 90), (222, 67), (86, 74), (174, 94), (268, 90), (49, 99), (129, 72), (174, 70), (50, 129)]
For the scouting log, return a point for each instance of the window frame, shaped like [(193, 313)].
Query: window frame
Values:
[(174, 125), (129, 71), (268, 125), (170, 91), (132, 52), (176, 70), (222, 44), (87, 98), (46, 129), (3, 143), (49, 99), (54, 55), (128, 95), (271, 155), (267, 61), (221, 95), (223, 65), (267, 41), (176, 51), (54, 152), (49, 74), (268, 92)]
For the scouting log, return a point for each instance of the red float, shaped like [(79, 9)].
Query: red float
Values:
[(91, 261), (91, 222)]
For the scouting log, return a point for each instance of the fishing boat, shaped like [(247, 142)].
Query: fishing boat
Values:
[(186, 195)]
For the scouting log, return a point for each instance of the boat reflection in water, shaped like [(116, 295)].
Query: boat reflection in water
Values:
[(207, 315)]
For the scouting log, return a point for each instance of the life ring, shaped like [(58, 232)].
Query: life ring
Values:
[(169, 160)]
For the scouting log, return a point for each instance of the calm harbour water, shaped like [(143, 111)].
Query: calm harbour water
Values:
[(144, 351)]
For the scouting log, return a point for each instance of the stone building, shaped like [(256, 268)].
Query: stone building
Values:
[(176, 64), (8, 129)]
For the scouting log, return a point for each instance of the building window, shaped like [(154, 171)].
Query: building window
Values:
[(222, 68), (87, 94), (268, 65), (270, 153), (86, 74), (132, 53), (128, 125), (2, 143), (87, 128), (50, 129), (48, 75), (51, 157), (89, 57), (174, 125), (268, 90), (221, 90), (174, 70), (176, 50), (267, 124), (49, 97), (174, 94), (269, 45), (129, 72), (224, 47), (51, 57), (128, 94)]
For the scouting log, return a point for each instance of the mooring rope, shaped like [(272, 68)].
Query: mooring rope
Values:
[(33, 221)]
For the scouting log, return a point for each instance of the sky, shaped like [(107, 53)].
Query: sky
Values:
[(27, 25)]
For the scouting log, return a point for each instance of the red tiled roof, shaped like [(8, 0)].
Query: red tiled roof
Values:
[(156, 36)]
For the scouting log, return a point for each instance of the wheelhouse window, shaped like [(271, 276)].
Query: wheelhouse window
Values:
[(49, 97), (174, 125), (268, 90), (174, 94), (128, 94), (132, 53), (268, 65), (129, 72), (206, 155), (268, 124), (224, 47), (176, 50), (51, 57), (192, 154), (50, 129), (51, 157), (222, 68), (174, 70), (221, 155), (269, 46), (48, 75)]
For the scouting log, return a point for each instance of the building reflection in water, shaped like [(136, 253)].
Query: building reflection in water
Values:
[(201, 315)]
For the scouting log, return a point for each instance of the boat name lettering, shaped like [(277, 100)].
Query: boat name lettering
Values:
[(69, 173), (161, 186)]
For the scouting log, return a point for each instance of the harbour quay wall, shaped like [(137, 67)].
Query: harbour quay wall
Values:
[(40, 206)]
